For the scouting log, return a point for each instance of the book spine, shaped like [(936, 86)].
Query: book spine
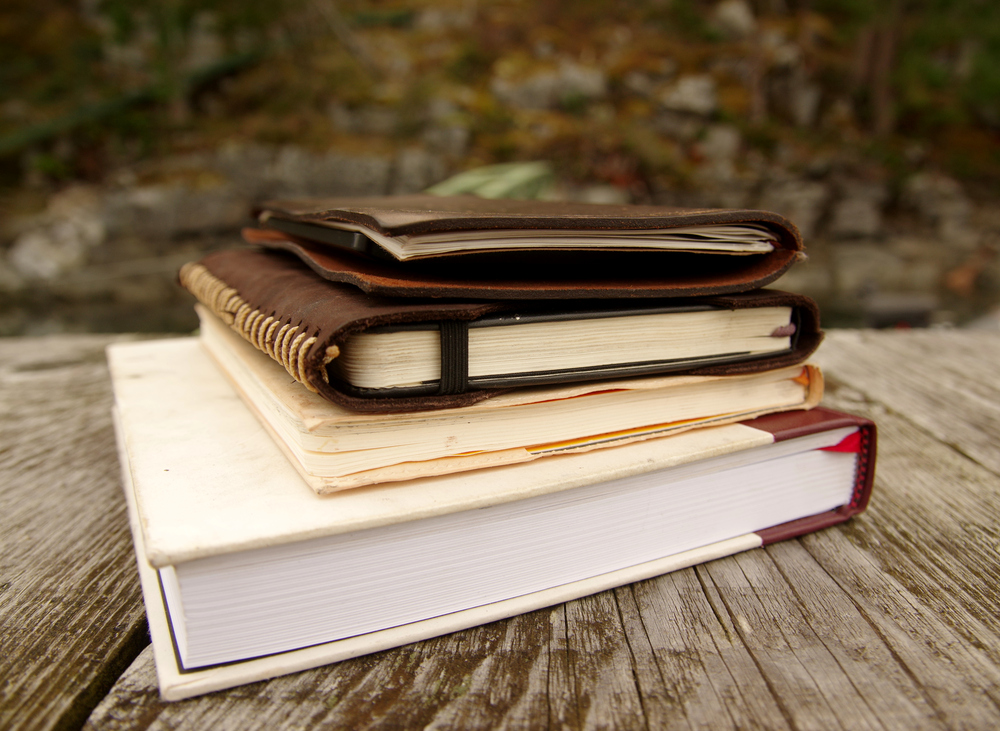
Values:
[(284, 342), (864, 478)]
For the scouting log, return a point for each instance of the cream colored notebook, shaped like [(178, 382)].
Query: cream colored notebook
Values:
[(248, 574), (334, 448)]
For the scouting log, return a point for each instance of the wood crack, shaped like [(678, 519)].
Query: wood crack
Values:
[(631, 652), (739, 638)]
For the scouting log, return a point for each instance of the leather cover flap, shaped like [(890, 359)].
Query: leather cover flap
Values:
[(424, 213), (520, 274), (301, 320), (605, 275)]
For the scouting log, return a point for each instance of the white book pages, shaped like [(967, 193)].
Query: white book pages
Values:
[(729, 239), (177, 684), (411, 357), (280, 598)]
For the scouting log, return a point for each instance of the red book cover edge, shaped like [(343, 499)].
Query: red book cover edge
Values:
[(790, 425)]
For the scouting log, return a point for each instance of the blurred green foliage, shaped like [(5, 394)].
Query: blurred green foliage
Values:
[(112, 81), (946, 56)]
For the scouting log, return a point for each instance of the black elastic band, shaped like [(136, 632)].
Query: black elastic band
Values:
[(454, 357)]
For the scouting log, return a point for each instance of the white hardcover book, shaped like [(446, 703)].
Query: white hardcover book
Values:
[(247, 573)]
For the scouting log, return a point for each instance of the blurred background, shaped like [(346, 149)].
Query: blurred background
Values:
[(137, 134)]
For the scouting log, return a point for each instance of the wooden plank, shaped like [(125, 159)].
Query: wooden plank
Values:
[(71, 614), (693, 670), (811, 689), (566, 667), (603, 678), (488, 677), (944, 381), (934, 521), (955, 678), (884, 685), (920, 564), (887, 622)]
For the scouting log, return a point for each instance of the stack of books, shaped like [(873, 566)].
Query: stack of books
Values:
[(407, 416)]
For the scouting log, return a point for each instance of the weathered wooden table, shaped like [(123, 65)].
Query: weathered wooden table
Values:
[(889, 621)]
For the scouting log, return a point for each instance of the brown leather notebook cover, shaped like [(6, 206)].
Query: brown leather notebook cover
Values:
[(587, 270), (302, 320)]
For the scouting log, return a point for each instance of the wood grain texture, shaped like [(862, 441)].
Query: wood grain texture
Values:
[(693, 670), (886, 622), (944, 381), (71, 614)]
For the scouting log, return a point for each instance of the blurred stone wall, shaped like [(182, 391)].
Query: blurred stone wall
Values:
[(738, 117), (104, 257)]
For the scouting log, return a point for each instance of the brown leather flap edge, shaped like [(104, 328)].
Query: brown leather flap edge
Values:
[(424, 213), (650, 274)]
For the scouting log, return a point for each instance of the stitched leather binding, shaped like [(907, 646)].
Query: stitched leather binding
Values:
[(284, 342)]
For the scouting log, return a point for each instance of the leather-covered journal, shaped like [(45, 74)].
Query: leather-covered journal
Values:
[(374, 353), (464, 246), (248, 574), (336, 448)]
